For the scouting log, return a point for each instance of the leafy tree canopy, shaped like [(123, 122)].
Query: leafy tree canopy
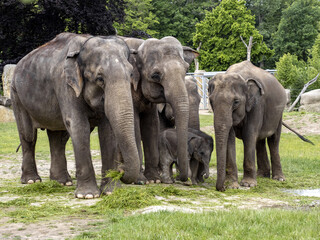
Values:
[(220, 33), (178, 18), (26, 26), (138, 18), (298, 29)]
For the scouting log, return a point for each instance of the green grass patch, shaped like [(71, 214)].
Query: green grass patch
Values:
[(235, 224)]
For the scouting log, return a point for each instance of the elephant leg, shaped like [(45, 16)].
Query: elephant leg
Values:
[(28, 138), (149, 124), (110, 156), (273, 143), (166, 161), (231, 165), (194, 166), (58, 168), (249, 166), (262, 159), (79, 129)]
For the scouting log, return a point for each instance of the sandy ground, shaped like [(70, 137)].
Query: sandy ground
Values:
[(63, 228)]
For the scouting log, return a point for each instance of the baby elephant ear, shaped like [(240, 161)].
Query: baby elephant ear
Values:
[(71, 68)]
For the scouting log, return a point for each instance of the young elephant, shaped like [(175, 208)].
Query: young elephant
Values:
[(247, 103), (200, 147)]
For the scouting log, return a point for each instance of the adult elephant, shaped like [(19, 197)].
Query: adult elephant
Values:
[(165, 111), (160, 66), (68, 86), (248, 103)]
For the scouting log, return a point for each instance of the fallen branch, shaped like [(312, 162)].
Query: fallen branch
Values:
[(302, 91)]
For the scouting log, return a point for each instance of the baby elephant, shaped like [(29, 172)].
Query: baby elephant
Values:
[(200, 147)]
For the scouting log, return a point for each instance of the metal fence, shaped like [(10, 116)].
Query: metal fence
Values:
[(202, 82)]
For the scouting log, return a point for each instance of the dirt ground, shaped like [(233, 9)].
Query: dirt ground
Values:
[(63, 228)]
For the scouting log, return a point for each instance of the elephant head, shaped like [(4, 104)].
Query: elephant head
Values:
[(200, 150), (231, 98), (98, 69)]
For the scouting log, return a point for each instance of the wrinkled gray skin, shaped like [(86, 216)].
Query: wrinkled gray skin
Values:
[(68, 86), (199, 153), (165, 111), (248, 103), (159, 70)]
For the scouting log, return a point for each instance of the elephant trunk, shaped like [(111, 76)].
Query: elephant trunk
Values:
[(206, 169), (221, 128), (121, 117), (180, 105)]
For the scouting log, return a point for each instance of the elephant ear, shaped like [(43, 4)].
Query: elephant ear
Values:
[(211, 85), (135, 74), (193, 144), (255, 91), (71, 67), (189, 54)]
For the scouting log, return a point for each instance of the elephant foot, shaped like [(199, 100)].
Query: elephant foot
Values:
[(233, 185), (141, 180), (248, 182), (264, 174), (152, 175), (167, 180), (64, 179), (279, 177), (194, 181), (30, 178), (107, 186), (88, 191)]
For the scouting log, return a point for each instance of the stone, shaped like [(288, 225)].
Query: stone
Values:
[(310, 101), (6, 114), (7, 77)]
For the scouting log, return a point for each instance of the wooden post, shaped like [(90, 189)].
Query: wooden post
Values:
[(249, 46)]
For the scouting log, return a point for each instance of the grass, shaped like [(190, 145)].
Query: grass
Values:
[(298, 218)]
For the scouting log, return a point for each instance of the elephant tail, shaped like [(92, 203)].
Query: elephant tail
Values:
[(299, 135)]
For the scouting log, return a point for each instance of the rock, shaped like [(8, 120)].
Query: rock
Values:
[(310, 101), (7, 76), (6, 114)]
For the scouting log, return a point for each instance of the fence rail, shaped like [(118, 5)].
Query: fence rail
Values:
[(202, 82)]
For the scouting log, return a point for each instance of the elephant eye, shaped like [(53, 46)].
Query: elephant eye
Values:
[(156, 76), (100, 81), (236, 103)]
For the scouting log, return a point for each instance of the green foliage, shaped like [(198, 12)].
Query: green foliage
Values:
[(138, 17), (298, 29), (268, 15), (178, 18), (289, 72), (220, 33)]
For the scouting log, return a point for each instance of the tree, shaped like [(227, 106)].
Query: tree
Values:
[(267, 17), (297, 29), (139, 18), (220, 33), (178, 18), (25, 27)]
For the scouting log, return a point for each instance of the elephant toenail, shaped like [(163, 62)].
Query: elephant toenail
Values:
[(30, 181), (89, 196)]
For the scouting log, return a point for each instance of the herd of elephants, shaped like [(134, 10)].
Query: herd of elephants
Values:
[(137, 91)]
